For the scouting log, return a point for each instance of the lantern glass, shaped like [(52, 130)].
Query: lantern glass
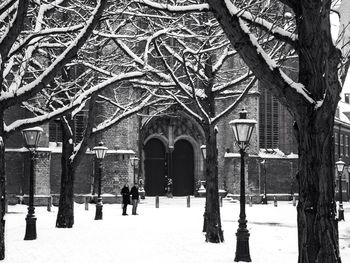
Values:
[(242, 129), (134, 161), (340, 166), (100, 151), (204, 151), (32, 136)]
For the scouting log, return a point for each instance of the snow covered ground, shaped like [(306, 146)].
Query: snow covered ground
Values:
[(171, 233)]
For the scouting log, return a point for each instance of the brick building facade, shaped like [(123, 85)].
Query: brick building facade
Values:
[(169, 147)]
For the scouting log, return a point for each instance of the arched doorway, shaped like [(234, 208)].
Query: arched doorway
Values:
[(183, 169), (154, 167)]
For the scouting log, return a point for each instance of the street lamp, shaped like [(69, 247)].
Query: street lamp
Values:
[(100, 152), (242, 130), (134, 161), (340, 167), (31, 138), (264, 200)]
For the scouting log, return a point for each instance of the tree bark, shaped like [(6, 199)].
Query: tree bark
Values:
[(65, 215), (212, 223), (317, 224), (2, 189)]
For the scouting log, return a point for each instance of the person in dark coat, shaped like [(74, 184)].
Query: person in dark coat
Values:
[(125, 198), (134, 198)]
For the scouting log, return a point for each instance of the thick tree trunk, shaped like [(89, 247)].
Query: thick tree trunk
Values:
[(318, 72), (2, 190), (65, 216), (317, 223), (212, 223)]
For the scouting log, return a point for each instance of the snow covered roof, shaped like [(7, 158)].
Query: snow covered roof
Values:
[(276, 153), (119, 151), (344, 112), (23, 149), (265, 154)]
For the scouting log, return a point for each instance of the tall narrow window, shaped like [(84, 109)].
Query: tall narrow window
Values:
[(336, 147), (55, 131), (341, 145), (347, 97), (346, 145), (268, 120), (79, 123)]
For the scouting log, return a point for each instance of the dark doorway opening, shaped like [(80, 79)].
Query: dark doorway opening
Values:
[(183, 168), (154, 167)]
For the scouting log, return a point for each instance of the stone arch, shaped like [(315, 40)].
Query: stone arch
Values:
[(170, 130)]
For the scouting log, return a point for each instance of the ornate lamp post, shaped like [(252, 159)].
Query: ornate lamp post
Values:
[(264, 200), (134, 161), (100, 152), (31, 138), (340, 167), (242, 130)]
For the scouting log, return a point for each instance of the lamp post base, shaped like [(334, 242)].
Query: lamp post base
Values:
[(242, 246), (99, 206), (30, 227), (340, 213)]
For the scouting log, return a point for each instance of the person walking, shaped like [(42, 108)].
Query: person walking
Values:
[(125, 192), (134, 198)]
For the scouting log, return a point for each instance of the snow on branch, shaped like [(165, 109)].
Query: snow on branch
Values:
[(14, 28), (235, 103), (39, 34), (227, 85), (77, 102), (271, 64), (7, 8), (174, 8), (194, 92), (29, 90), (6, 5), (185, 107), (262, 23), (125, 114)]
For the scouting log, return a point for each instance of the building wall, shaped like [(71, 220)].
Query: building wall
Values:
[(15, 172), (123, 142), (287, 142), (42, 172), (226, 144)]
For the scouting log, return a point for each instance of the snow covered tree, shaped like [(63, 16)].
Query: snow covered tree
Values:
[(193, 51), (305, 27), (29, 31)]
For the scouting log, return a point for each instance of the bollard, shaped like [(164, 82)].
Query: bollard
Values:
[(188, 201), (220, 200), (250, 201), (275, 201), (86, 203), (49, 203), (294, 201), (6, 206), (157, 201)]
